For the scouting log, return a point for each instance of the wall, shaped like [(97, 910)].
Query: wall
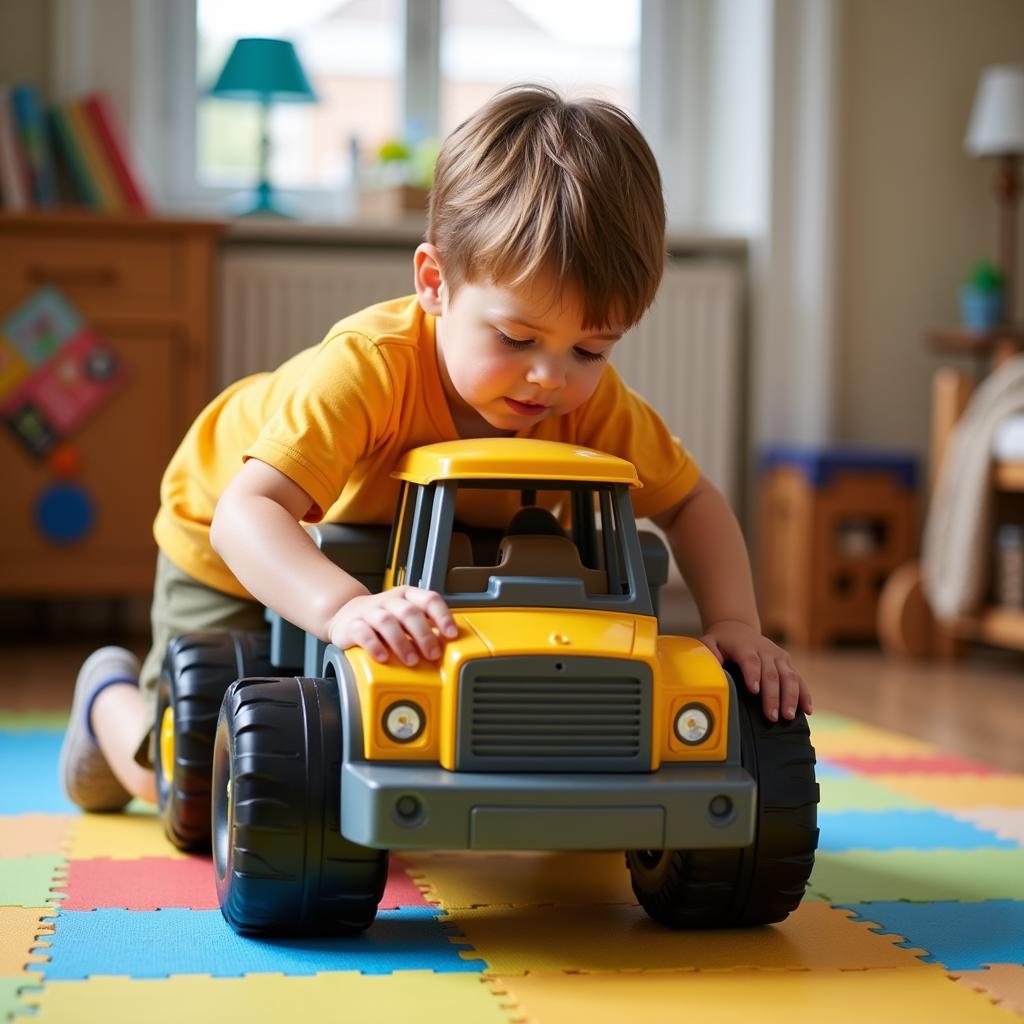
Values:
[(915, 211), (25, 42)]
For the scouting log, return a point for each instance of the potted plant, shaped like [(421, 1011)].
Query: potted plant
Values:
[(981, 298)]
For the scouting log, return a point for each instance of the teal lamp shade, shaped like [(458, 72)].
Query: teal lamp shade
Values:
[(267, 70)]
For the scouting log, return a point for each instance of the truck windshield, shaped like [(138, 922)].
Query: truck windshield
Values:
[(566, 538)]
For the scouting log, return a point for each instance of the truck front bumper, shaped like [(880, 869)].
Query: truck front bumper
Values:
[(419, 807)]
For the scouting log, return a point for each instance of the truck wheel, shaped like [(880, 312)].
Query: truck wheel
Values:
[(764, 882), (280, 860), (198, 668)]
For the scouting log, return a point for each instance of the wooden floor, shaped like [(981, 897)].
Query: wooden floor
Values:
[(974, 707)]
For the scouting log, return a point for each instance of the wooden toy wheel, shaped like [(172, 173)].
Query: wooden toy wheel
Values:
[(906, 625)]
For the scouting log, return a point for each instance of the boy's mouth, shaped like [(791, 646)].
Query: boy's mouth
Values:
[(525, 408)]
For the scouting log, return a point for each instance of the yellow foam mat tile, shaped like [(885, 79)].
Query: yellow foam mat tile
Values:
[(534, 879), (402, 996), (521, 939), (1002, 983), (950, 792), (19, 927), (125, 836), (31, 835), (741, 997), (867, 741)]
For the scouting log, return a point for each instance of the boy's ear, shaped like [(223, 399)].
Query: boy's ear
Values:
[(429, 278)]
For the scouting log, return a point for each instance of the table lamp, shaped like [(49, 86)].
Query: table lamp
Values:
[(266, 70), (996, 129)]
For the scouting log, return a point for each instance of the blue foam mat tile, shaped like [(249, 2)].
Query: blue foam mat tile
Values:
[(958, 936), (902, 830), (28, 772), (159, 943)]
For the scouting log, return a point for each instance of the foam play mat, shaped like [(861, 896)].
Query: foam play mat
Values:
[(915, 911)]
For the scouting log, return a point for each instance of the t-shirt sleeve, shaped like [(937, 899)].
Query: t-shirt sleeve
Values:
[(617, 420), (335, 414)]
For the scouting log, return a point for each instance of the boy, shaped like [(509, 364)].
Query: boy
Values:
[(546, 239)]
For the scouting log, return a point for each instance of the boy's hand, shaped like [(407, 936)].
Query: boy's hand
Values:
[(399, 621), (766, 667)]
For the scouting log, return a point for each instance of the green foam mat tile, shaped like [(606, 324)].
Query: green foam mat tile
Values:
[(860, 876)]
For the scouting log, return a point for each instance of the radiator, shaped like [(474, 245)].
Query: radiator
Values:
[(685, 357)]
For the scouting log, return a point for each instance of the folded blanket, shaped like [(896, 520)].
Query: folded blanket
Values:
[(956, 550)]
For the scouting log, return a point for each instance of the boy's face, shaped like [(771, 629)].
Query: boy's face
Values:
[(513, 356)]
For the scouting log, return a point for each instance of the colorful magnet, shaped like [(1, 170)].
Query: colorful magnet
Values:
[(41, 325), (65, 513), (31, 427)]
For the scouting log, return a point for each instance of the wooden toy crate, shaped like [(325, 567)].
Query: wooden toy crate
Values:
[(834, 524)]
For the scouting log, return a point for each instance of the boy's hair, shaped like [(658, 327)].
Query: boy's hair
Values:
[(534, 183)]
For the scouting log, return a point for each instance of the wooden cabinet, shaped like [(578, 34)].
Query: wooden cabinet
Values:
[(146, 287)]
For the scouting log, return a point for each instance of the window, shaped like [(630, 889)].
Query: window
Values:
[(352, 54), (372, 79), (587, 46)]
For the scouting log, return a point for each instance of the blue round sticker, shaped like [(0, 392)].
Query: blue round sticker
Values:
[(65, 513)]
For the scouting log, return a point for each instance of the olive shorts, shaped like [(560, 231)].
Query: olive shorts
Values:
[(182, 604)]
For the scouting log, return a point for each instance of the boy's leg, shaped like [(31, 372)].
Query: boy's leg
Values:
[(84, 770), (120, 715), (115, 702)]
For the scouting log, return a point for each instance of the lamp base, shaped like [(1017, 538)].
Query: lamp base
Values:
[(263, 201)]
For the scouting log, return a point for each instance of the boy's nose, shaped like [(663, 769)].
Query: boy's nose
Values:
[(546, 374)]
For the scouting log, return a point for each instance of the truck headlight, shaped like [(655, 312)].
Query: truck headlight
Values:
[(404, 721), (693, 724)]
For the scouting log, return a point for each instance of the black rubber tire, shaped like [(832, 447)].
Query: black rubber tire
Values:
[(281, 863), (755, 885), (198, 668)]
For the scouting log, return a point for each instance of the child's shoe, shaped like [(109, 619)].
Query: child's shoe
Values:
[(84, 772)]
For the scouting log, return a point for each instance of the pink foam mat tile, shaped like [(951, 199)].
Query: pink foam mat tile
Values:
[(945, 764), (1002, 983), (164, 883), (1005, 822)]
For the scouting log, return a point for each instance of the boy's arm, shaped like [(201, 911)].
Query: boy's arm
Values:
[(708, 547), (256, 531)]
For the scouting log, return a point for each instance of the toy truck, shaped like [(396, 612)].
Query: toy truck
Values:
[(558, 719)]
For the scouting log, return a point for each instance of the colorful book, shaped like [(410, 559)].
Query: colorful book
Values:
[(95, 159), (101, 113), (35, 141), (73, 160), (14, 178)]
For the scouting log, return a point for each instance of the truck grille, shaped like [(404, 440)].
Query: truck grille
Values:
[(548, 714)]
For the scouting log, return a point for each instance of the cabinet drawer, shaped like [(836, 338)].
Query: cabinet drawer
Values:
[(100, 276)]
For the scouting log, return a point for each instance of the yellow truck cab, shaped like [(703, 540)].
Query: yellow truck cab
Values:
[(557, 719)]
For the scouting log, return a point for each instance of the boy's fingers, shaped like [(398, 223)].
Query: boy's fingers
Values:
[(416, 625), (789, 695), (751, 666), (363, 635), (770, 689), (433, 604), (390, 630)]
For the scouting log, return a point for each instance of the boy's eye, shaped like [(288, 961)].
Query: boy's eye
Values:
[(516, 343), (589, 357)]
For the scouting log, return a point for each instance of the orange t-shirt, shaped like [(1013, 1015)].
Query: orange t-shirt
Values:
[(336, 418)]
